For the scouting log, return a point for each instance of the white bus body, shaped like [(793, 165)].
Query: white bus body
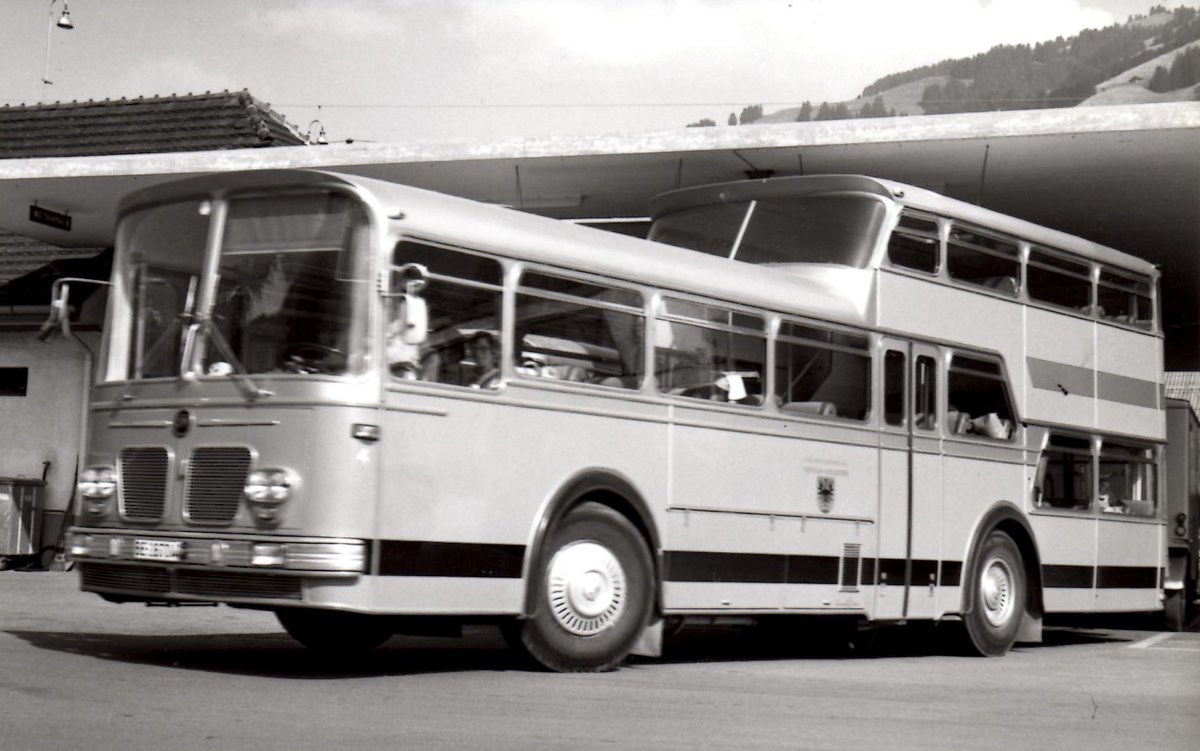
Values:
[(589, 434)]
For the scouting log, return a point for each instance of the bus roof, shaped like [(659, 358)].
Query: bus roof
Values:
[(905, 196), (460, 221)]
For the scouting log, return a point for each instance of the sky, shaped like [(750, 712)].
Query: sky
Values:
[(471, 71)]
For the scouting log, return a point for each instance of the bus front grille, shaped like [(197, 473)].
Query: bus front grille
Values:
[(212, 585), (144, 482), (216, 479), (140, 579)]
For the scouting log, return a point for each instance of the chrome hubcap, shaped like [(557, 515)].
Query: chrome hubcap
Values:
[(586, 588), (996, 587)]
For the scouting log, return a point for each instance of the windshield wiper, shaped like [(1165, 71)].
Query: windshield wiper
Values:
[(239, 372), (153, 352)]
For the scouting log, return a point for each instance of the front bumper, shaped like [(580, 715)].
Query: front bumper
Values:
[(281, 555)]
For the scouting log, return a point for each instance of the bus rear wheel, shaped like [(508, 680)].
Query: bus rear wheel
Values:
[(594, 594), (334, 632), (993, 619)]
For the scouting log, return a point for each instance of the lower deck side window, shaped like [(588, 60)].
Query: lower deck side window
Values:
[(1126, 480), (979, 402), (1118, 478)]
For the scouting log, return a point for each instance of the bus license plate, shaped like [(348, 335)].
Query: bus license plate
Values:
[(158, 550)]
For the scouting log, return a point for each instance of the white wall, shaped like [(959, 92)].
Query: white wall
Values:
[(46, 423)]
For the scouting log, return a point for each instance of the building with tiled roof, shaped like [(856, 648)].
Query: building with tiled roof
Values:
[(1184, 385), (146, 125)]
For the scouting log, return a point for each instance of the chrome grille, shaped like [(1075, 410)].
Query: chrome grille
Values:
[(220, 585), (216, 479), (139, 579), (144, 473), (214, 585)]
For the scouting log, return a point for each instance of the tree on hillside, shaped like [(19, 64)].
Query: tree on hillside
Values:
[(1185, 68), (874, 108), (1161, 80), (702, 123), (829, 111), (806, 112), (732, 119), (751, 113)]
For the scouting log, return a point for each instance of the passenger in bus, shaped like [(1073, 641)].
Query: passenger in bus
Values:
[(990, 425), (1110, 499), (481, 351), (409, 362)]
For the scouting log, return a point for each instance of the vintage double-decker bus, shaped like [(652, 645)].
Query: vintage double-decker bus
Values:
[(374, 409)]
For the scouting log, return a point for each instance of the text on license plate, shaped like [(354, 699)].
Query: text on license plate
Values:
[(158, 550)]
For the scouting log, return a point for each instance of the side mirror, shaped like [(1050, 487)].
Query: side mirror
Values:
[(60, 308), (60, 311)]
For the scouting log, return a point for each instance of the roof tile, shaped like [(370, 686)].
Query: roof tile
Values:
[(195, 122)]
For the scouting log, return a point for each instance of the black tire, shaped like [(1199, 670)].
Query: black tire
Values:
[(594, 592), (993, 618), (334, 632)]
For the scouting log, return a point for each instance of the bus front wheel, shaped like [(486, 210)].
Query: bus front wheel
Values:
[(594, 595), (994, 617), (334, 632)]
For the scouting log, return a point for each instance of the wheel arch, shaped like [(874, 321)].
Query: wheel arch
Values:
[(1005, 517), (598, 485)]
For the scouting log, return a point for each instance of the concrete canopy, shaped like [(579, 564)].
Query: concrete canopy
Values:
[(1127, 176)]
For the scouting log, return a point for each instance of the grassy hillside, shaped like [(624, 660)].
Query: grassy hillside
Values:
[(1116, 64)]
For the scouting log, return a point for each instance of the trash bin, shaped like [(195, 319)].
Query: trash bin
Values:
[(20, 517)]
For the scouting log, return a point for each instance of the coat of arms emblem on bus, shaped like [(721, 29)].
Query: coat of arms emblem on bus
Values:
[(825, 494)]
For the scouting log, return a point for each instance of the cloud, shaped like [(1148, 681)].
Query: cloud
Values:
[(323, 22)]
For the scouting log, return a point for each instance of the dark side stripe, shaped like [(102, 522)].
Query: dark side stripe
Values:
[(460, 559), (497, 561)]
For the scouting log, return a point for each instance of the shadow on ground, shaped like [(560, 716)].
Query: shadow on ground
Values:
[(483, 649)]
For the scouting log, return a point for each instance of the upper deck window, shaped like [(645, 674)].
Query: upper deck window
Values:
[(825, 229), (1125, 298), (1059, 281), (984, 259), (914, 244)]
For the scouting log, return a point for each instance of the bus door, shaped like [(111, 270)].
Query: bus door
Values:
[(910, 483)]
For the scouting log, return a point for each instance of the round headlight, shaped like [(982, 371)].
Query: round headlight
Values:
[(98, 482), (268, 486)]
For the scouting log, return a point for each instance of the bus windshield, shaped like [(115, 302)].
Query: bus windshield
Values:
[(828, 229), (285, 298)]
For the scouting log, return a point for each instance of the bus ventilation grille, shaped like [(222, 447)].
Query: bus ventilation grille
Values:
[(192, 583), (216, 480), (143, 482), (851, 565)]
